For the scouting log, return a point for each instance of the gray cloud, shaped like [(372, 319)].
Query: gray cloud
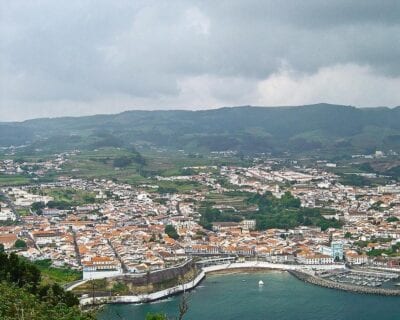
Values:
[(83, 57)]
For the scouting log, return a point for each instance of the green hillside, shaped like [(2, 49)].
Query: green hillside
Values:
[(322, 128), (23, 294)]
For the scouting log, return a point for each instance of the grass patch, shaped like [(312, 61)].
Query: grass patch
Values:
[(239, 202), (71, 196), (56, 275), (13, 180), (178, 186), (23, 212), (99, 163)]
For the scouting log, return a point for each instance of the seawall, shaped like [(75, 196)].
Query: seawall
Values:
[(308, 278), (146, 297)]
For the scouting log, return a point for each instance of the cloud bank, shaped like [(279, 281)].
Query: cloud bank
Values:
[(87, 57)]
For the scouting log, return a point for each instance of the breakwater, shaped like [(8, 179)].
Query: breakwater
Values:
[(309, 278)]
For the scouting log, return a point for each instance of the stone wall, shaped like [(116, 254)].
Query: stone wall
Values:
[(156, 277)]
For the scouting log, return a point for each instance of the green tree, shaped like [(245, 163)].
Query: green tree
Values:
[(122, 162), (17, 303), (286, 213), (171, 231), (37, 206), (392, 219), (120, 288), (183, 309), (156, 316), (23, 297), (354, 180), (20, 244)]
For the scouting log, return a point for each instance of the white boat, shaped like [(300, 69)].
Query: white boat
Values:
[(260, 283)]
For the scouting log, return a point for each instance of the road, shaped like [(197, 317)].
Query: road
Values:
[(11, 205)]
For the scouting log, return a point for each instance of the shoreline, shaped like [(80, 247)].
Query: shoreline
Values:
[(144, 298), (300, 272), (240, 267)]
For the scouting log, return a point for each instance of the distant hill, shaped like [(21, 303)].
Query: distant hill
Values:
[(312, 128)]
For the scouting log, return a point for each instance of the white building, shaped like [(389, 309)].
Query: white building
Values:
[(7, 214), (101, 267), (313, 258)]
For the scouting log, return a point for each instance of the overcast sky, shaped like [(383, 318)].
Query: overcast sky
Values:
[(86, 57)]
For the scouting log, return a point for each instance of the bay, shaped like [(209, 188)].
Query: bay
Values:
[(283, 297)]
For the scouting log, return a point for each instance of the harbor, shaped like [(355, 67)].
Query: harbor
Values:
[(357, 282), (335, 276), (364, 278), (238, 296), (210, 267)]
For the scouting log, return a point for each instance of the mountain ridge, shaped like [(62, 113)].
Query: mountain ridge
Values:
[(318, 105), (248, 129)]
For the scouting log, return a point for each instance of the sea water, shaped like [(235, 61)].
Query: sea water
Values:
[(282, 297)]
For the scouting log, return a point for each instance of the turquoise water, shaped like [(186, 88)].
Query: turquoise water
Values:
[(283, 297)]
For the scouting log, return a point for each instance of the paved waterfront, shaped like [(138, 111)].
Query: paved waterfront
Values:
[(237, 296)]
